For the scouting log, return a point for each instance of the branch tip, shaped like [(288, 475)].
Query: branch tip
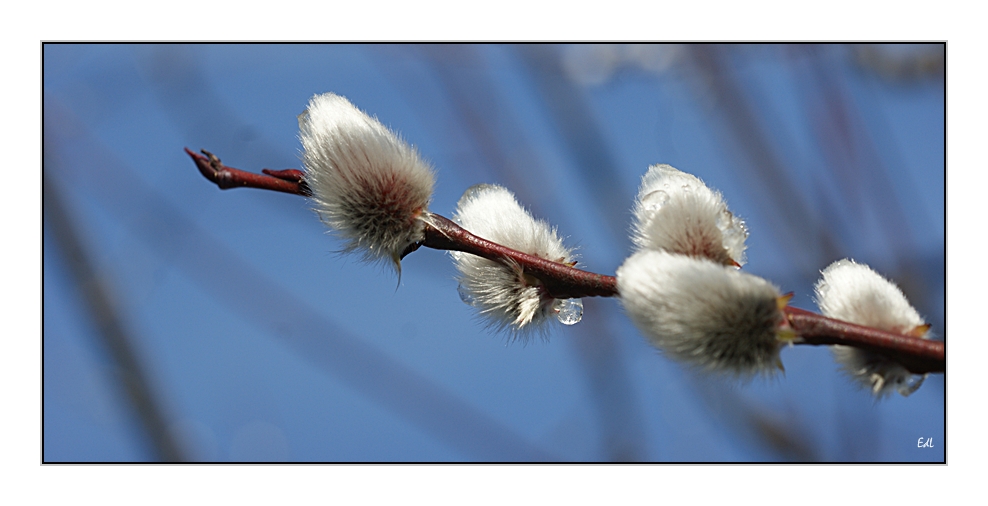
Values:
[(285, 181)]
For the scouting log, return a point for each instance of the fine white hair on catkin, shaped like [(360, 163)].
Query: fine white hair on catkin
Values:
[(703, 313), (507, 298), (368, 185), (855, 293), (676, 212)]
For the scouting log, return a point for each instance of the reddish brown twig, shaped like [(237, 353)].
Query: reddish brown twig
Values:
[(916, 354), (561, 281), (287, 181)]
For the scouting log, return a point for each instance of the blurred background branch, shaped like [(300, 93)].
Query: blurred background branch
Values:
[(102, 306)]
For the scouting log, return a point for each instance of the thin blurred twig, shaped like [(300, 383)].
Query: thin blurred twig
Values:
[(810, 241), (592, 159), (97, 296), (914, 63), (867, 182)]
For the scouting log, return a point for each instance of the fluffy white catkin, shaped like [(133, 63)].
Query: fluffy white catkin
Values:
[(703, 313), (855, 293), (369, 186), (676, 212), (505, 296)]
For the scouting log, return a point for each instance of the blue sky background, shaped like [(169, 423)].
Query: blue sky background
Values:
[(260, 343)]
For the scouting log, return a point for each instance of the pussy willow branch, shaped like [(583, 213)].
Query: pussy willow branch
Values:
[(561, 281)]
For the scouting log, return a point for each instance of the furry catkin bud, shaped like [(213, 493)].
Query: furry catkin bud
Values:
[(703, 313), (676, 212), (855, 293), (506, 297), (369, 186)]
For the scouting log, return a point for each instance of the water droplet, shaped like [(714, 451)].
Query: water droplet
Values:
[(655, 200), (724, 220), (741, 227), (908, 386), (472, 192), (734, 233), (569, 311), (465, 295)]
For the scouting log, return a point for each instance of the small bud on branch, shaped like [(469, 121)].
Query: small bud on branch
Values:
[(676, 212), (369, 186), (855, 293), (699, 311), (506, 296)]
